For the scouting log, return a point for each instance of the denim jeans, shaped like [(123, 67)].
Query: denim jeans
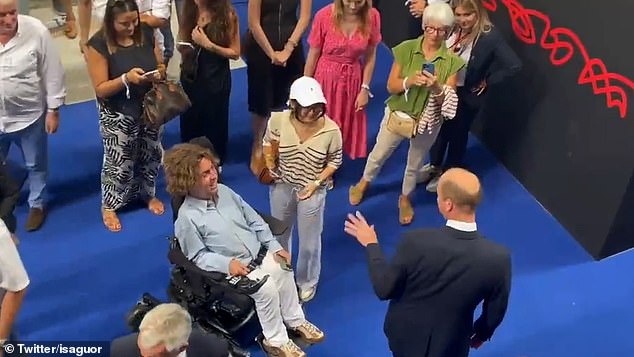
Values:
[(33, 142)]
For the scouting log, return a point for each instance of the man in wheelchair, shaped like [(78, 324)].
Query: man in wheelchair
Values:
[(220, 232)]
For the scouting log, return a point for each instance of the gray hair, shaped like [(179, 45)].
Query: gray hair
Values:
[(168, 324), (438, 12)]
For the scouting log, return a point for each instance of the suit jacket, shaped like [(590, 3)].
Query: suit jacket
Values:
[(201, 344), (435, 282), (493, 60)]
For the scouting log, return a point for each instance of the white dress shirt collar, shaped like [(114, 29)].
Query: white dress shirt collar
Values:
[(462, 226)]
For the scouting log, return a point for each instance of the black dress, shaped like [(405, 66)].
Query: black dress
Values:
[(206, 78), (268, 84)]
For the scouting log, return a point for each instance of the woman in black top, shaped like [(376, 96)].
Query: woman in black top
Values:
[(211, 27), (118, 57), (275, 58), (490, 61)]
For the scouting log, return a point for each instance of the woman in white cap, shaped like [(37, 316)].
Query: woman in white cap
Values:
[(302, 149)]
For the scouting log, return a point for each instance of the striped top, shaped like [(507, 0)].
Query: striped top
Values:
[(301, 163), (435, 112)]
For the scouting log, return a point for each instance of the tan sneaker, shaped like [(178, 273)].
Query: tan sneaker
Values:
[(309, 333), (290, 349)]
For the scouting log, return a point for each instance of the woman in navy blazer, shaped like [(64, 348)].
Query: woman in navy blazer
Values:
[(489, 61)]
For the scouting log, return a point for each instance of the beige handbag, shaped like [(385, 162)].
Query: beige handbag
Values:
[(402, 124)]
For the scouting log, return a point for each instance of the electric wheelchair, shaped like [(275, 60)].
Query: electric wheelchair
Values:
[(218, 303)]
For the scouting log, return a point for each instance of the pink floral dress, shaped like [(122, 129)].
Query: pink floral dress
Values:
[(340, 73)]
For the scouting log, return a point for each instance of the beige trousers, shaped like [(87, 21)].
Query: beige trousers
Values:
[(387, 142)]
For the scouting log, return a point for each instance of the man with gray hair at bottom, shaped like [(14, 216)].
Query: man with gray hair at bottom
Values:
[(166, 331)]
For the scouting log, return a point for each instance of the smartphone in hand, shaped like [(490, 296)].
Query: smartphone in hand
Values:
[(150, 73), (185, 44), (430, 68)]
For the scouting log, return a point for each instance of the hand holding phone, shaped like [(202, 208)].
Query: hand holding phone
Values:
[(150, 73)]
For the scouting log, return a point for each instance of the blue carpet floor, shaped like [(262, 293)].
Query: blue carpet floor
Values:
[(84, 279)]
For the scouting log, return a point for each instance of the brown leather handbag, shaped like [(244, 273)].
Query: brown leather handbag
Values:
[(164, 102), (259, 166)]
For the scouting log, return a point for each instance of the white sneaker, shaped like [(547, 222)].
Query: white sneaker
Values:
[(308, 294), (432, 186), (427, 173)]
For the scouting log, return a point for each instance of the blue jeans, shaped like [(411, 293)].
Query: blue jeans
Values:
[(33, 142)]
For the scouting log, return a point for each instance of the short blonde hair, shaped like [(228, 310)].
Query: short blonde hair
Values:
[(169, 324)]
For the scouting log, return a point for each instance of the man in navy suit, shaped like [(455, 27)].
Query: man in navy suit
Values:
[(166, 331), (439, 276)]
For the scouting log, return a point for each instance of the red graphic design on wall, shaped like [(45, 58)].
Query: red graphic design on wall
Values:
[(562, 44)]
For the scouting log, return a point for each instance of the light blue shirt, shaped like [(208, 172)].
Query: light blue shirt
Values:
[(212, 234)]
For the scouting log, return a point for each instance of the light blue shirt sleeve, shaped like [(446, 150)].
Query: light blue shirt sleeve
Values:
[(195, 249), (257, 224)]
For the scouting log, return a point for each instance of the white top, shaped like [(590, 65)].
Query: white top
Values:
[(13, 277), (159, 8), (464, 53), (31, 76)]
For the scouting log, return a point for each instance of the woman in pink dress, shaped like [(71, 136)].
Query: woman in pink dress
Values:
[(342, 54)]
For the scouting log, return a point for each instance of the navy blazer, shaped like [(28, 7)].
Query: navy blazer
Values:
[(493, 60), (201, 344)]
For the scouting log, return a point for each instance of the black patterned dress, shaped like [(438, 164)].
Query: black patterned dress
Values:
[(132, 151)]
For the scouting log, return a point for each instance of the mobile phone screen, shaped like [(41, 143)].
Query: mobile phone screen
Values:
[(429, 67)]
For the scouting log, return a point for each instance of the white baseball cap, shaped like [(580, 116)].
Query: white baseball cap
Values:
[(307, 91)]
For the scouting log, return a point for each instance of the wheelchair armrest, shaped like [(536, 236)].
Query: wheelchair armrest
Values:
[(242, 285)]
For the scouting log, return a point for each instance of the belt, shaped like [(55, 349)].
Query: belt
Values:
[(258, 260)]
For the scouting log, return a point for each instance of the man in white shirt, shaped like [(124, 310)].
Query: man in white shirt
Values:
[(154, 13), (13, 280), (31, 91)]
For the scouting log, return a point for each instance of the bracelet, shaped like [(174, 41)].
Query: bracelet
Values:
[(367, 88), (124, 79), (405, 89)]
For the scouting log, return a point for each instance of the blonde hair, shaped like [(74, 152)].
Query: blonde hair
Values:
[(364, 16), (169, 324), (483, 23)]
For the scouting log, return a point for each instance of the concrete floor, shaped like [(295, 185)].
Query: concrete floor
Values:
[(79, 86)]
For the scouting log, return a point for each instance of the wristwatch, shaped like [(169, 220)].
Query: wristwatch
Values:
[(53, 110), (318, 182)]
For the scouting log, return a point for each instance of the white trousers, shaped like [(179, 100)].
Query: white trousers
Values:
[(276, 303)]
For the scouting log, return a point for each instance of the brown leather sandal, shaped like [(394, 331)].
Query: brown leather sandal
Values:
[(71, 29), (405, 210), (111, 220)]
